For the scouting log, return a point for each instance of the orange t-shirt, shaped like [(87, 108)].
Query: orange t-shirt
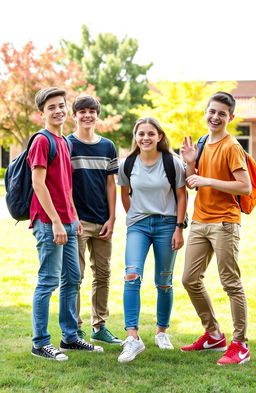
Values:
[(218, 161)]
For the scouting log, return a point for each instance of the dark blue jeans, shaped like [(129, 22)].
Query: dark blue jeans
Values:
[(59, 265), (157, 230)]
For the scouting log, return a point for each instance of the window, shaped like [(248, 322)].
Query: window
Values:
[(244, 136), (4, 159)]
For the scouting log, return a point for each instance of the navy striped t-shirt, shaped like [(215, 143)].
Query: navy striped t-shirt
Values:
[(92, 163)]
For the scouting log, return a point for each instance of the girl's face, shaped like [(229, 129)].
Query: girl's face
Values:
[(147, 137)]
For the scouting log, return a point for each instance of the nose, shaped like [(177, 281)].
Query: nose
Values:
[(216, 116)]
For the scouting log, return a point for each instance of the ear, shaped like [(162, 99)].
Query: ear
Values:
[(74, 116), (231, 117)]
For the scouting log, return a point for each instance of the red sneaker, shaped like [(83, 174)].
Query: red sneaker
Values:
[(207, 343), (236, 354)]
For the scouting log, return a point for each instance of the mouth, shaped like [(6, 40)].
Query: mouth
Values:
[(215, 123), (60, 116)]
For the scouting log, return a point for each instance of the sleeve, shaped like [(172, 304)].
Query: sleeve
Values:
[(113, 163), (180, 172), (122, 178), (236, 158), (38, 152)]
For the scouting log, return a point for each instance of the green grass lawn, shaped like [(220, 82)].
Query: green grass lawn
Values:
[(152, 371)]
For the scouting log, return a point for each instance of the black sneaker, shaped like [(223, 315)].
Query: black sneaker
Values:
[(49, 352), (81, 333), (79, 344)]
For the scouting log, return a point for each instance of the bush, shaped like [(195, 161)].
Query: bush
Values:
[(2, 172)]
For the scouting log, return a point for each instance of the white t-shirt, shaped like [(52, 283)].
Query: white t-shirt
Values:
[(151, 190)]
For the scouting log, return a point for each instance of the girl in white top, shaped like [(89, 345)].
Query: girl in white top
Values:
[(153, 217)]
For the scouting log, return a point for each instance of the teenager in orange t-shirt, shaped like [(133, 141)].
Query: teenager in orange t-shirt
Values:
[(221, 175)]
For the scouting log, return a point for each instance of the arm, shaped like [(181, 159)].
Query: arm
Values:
[(177, 239), (107, 228), (44, 197), (240, 186), (125, 197), (189, 154), (80, 227)]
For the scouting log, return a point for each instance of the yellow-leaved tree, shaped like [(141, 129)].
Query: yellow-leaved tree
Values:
[(180, 107)]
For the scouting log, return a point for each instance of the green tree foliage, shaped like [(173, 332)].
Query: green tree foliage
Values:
[(120, 83), (180, 106), (22, 73)]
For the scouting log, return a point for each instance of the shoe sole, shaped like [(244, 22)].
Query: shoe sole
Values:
[(86, 350), (169, 348), (242, 362), (222, 349), (44, 357), (106, 342), (132, 358)]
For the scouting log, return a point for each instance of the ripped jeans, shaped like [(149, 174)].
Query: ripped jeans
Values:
[(157, 230)]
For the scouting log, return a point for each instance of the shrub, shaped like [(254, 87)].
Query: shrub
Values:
[(2, 172)]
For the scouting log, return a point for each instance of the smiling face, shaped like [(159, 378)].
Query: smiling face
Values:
[(147, 137), (217, 117), (54, 113), (86, 118)]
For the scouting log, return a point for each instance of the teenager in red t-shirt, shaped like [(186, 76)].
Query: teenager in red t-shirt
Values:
[(55, 226)]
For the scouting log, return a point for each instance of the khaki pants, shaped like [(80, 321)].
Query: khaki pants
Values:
[(221, 239), (100, 253)]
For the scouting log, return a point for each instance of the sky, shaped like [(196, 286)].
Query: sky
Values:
[(185, 39)]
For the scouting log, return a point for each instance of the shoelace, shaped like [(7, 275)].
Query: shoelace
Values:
[(201, 339), (232, 350), (51, 349), (83, 343), (127, 345), (110, 335), (164, 340)]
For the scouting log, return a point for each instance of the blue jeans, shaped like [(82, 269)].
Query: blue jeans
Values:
[(59, 265), (157, 230)]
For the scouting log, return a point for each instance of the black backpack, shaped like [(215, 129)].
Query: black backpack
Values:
[(169, 170), (18, 179)]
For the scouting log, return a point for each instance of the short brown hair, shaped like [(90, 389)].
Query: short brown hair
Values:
[(224, 98), (83, 102), (48, 92)]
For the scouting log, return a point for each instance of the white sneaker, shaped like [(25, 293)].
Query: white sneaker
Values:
[(162, 341), (132, 348)]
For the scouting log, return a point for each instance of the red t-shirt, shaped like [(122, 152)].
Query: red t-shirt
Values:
[(58, 179)]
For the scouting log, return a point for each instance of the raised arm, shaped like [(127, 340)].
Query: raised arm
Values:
[(189, 154)]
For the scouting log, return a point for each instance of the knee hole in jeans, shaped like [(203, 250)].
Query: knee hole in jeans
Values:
[(131, 276)]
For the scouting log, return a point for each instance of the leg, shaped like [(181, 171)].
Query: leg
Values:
[(50, 257), (137, 246), (100, 254), (82, 242), (164, 265), (225, 246), (70, 278), (197, 258)]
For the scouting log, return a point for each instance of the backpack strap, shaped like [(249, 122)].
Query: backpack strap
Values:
[(200, 146), (128, 165), (69, 143), (52, 144), (170, 171)]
